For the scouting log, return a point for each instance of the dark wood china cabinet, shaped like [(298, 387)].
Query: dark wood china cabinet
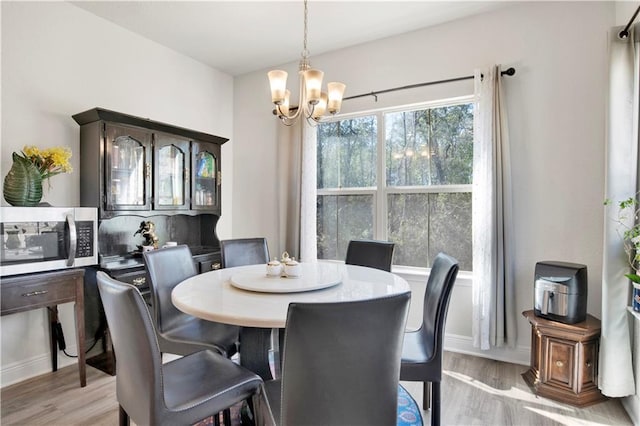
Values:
[(134, 170)]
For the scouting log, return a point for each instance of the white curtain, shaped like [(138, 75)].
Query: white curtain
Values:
[(297, 184), (308, 191), (289, 169), (615, 372), (494, 310)]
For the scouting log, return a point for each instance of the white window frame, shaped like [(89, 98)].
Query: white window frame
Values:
[(381, 191)]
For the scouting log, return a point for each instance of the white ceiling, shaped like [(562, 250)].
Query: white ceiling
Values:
[(238, 37)]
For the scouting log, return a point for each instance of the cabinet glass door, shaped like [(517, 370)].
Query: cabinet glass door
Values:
[(171, 173), (127, 169), (206, 176)]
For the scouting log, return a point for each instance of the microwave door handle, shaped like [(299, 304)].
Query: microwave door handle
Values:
[(73, 240)]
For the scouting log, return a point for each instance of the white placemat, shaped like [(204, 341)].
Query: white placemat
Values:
[(315, 276)]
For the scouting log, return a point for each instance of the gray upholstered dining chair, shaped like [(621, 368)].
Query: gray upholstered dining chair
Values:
[(422, 348), (243, 251), (180, 333), (370, 253), (335, 369), (183, 391)]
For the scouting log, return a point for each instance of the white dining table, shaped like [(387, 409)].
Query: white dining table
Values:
[(247, 297)]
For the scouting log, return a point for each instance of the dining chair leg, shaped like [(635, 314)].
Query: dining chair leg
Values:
[(226, 417), (426, 396), (216, 419), (435, 401), (123, 417)]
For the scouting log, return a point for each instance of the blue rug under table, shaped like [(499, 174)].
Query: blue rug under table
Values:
[(409, 413)]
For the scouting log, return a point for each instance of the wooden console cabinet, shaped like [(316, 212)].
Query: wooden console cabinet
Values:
[(564, 360), (47, 290)]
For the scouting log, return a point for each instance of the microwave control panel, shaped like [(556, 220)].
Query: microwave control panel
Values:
[(85, 239)]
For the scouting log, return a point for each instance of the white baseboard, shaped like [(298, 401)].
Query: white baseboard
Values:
[(34, 366), (464, 344), (631, 405)]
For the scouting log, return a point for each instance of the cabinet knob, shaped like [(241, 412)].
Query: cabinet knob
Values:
[(559, 363), (588, 363), (215, 266), (139, 281)]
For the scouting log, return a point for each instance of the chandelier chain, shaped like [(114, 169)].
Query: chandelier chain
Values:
[(305, 52)]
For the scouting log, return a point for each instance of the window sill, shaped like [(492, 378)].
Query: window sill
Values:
[(412, 273)]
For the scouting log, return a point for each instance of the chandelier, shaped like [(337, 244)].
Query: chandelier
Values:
[(313, 102)]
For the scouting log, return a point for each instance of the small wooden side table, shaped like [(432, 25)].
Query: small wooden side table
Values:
[(564, 360), (21, 293)]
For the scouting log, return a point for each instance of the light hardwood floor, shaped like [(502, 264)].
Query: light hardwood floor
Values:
[(475, 391)]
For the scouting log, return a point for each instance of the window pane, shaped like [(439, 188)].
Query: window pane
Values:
[(422, 225), (342, 218), (430, 146), (347, 153)]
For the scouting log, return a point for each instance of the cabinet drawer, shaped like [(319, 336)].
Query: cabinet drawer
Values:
[(208, 265), (24, 296), (137, 277)]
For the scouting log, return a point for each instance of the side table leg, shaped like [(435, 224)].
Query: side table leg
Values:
[(80, 336), (53, 336)]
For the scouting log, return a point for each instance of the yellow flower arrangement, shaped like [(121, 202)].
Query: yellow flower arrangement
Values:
[(50, 161)]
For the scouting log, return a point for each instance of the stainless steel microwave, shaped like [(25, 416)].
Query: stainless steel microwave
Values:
[(36, 239)]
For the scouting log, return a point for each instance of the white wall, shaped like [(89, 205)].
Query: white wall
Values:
[(556, 107), (58, 60)]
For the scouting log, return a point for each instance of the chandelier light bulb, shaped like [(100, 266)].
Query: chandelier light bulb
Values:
[(278, 82), (284, 106), (320, 108), (313, 83), (336, 91)]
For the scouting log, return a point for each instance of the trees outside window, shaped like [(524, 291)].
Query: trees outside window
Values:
[(403, 175)]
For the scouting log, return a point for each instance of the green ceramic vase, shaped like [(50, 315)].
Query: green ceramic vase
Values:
[(23, 183)]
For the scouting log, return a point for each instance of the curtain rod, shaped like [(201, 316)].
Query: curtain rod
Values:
[(625, 33), (509, 71)]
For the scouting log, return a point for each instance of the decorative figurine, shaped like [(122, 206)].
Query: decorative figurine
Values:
[(147, 229)]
